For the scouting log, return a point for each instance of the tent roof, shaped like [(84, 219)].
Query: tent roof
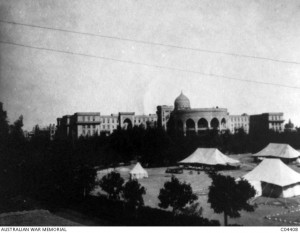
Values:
[(210, 156), (138, 169), (273, 171), (278, 150)]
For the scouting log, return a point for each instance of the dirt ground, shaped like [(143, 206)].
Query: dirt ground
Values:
[(34, 218), (201, 182)]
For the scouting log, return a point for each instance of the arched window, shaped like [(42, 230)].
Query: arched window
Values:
[(202, 123), (127, 123), (223, 123), (190, 124), (214, 123)]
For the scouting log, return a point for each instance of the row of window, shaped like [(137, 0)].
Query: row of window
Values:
[(239, 119), (87, 118), (139, 120), (89, 132), (115, 120), (108, 127), (277, 128), (274, 118), (239, 125), (110, 120), (89, 126), (275, 124)]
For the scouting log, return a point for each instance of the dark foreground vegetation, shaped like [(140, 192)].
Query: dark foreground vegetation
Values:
[(61, 173), (120, 214)]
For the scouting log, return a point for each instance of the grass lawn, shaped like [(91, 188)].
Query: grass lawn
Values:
[(201, 182)]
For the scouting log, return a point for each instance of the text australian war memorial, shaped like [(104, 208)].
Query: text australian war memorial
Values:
[(181, 117)]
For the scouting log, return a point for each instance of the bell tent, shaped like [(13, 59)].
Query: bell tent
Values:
[(273, 178), (209, 156), (138, 172)]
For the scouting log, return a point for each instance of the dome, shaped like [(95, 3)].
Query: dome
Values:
[(182, 102)]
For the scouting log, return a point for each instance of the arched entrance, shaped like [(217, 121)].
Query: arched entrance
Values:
[(223, 123), (127, 124), (190, 127), (214, 123), (202, 124)]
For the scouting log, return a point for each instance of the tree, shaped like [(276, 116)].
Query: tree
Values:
[(194, 210), (289, 126), (85, 179), (176, 194), (228, 196), (16, 132), (133, 194), (4, 126), (156, 143), (112, 184)]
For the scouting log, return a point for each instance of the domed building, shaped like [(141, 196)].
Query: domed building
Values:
[(182, 102), (192, 120)]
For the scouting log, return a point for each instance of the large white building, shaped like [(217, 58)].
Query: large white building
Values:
[(181, 117), (92, 123), (237, 122)]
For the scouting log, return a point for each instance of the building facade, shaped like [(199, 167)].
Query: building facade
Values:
[(267, 121), (192, 120), (237, 122), (180, 117), (93, 123), (163, 115)]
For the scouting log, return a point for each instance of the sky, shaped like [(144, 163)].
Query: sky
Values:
[(44, 85)]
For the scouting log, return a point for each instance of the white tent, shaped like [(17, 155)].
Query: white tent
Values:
[(138, 172), (209, 156), (278, 150), (273, 178)]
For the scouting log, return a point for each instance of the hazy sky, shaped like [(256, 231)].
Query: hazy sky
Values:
[(44, 85)]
